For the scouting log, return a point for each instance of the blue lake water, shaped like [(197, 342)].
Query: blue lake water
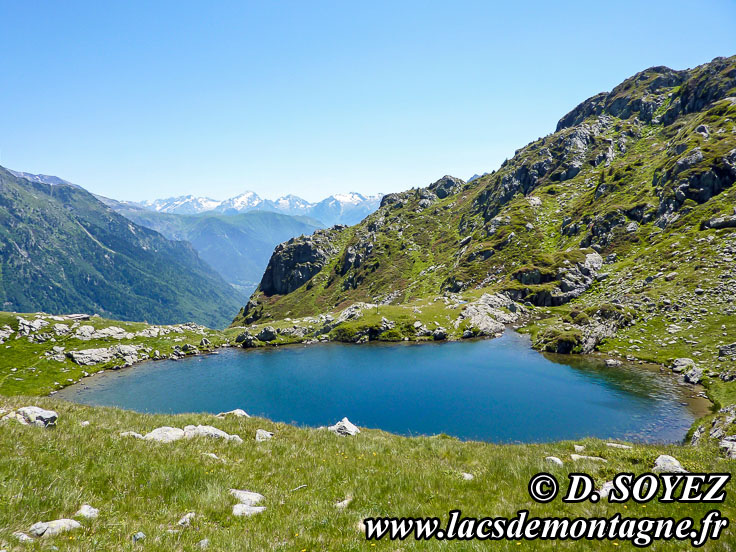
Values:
[(497, 390)]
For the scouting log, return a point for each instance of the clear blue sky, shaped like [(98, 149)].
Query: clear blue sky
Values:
[(137, 100)]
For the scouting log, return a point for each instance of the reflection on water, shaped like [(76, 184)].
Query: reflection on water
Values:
[(496, 390)]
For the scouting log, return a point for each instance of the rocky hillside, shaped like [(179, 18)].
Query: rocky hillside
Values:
[(62, 250), (616, 231)]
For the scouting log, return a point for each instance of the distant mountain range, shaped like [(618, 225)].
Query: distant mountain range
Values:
[(348, 208), (62, 251), (237, 236)]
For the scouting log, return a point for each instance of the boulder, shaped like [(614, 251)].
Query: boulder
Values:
[(576, 457), (618, 446), (21, 537), (191, 431), (694, 375), (34, 415), (263, 435), (344, 503), (246, 497), (667, 464), (87, 511), (554, 460), (344, 427), (186, 521), (682, 364), (243, 510), (52, 528), (606, 489), (439, 334), (267, 334), (238, 413), (728, 446), (165, 434), (727, 350)]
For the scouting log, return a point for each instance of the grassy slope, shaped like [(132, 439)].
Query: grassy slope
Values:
[(143, 486)]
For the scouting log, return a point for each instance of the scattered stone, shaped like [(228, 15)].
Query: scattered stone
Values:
[(52, 528), (576, 457), (247, 497), (243, 510), (344, 503), (618, 446), (131, 434), (213, 456), (554, 460), (263, 435), (247, 503), (186, 521), (344, 427), (579, 448), (204, 544), (728, 446), (205, 342), (727, 350), (467, 476), (439, 334), (682, 364), (694, 375), (21, 537), (85, 423), (191, 431), (611, 362), (87, 511), (267, 334), (39, 417), (139, 536), (606, 489), (165, 434), (667, 464), (238, 413)]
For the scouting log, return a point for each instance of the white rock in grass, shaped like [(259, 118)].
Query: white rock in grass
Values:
[(213, 456), (263, 435), (606, 489), (246, 497), (667, 464), (165, 434), (618, 446), (554, 460), (579, 448), (344, 503), (238, 413), (38, 416), (243, 510), (344, 427), (186, 521), (21, 537), (87, 511), (131, 434), (191, 431), (84, 423), (467, 476), (52, 528), (576, 457), (204, 544)]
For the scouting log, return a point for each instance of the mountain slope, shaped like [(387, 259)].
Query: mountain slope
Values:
[(61, 250), (616, 226), (237, 246)]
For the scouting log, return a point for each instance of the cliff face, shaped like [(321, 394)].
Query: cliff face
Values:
[(641, 176)]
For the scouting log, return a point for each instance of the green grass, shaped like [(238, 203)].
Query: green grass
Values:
[(145, 486)]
